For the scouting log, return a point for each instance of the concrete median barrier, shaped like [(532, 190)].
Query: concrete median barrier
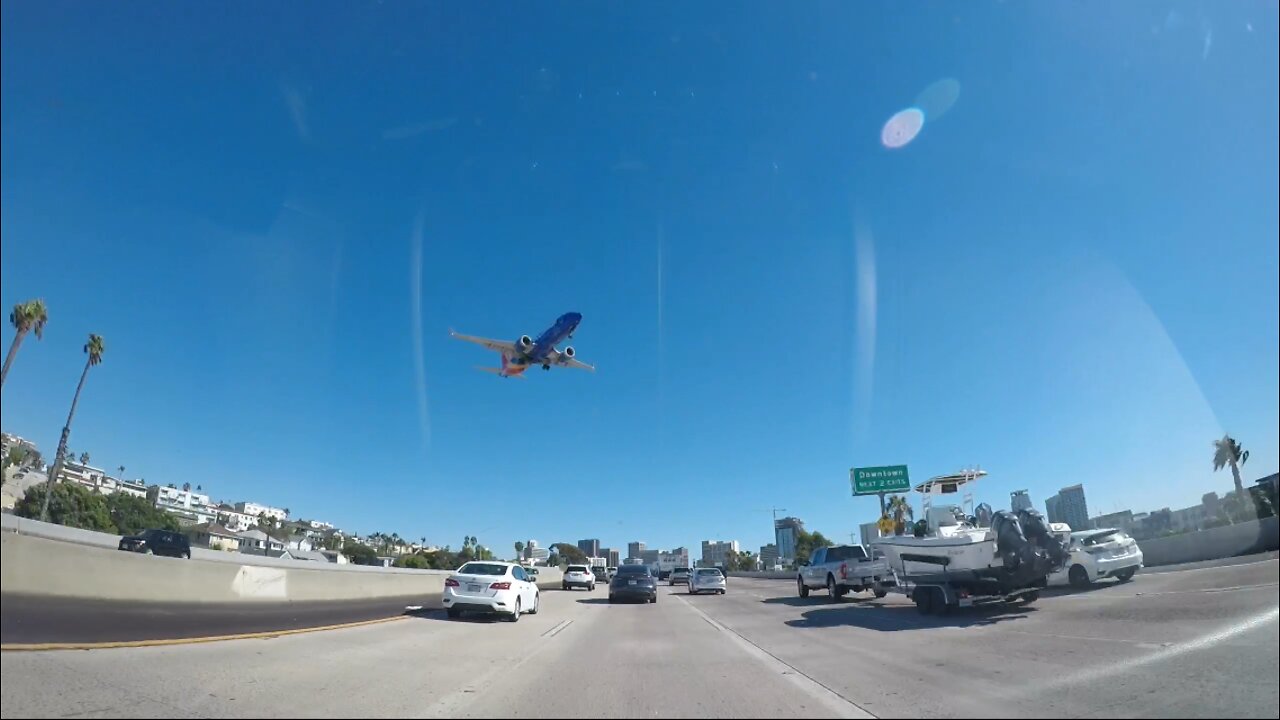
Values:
[(41, 566)]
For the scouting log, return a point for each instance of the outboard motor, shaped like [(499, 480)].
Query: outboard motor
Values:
[(1011, 543), (982, 515), (1037, 530)]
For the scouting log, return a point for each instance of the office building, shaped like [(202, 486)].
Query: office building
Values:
[(614, 557), (769, 556), (635, 549), (785, 532), (1020, 500), (1069, 507), (649, 557), (715, 553), (529, 546), (1122, 520), (590, 547)]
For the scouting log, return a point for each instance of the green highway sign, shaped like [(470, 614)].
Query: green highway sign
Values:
[(876, 480)]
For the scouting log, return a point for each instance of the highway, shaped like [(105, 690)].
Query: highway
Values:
[(1179, 643)]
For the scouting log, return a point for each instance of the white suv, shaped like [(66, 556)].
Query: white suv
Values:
[(578, 576), (1097, 554)]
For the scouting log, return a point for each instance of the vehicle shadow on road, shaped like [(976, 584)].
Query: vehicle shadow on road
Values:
[(894, 618), (594, 601), (439, 615), (794, 601)]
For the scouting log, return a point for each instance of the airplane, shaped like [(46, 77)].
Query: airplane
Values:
[(526, 352)]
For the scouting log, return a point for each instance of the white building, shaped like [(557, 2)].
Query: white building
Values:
[(136, 488), (255, 510), (86, 476), (259, 542), (234, 520), (716, 552), (191, 508), (668, 560), (317, 525)]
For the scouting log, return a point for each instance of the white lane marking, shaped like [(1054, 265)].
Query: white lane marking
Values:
[(1112, 670), (558, 627), (832, 700)]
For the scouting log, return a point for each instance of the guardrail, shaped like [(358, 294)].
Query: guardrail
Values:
[(35, 565)]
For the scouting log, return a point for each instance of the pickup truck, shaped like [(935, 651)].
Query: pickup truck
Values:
[(842, 569)]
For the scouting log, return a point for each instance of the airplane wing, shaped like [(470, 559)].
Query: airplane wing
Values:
[(559, 358), (500, 346)]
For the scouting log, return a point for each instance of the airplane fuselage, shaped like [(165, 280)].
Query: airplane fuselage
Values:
[(517, 362)]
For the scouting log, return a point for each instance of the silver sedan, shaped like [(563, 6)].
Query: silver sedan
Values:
[(706, 580)]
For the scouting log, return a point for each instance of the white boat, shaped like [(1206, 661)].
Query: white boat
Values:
[(1008, 552)]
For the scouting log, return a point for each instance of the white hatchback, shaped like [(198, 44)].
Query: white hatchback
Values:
[(706, 580), (1097, 554), (491, 587)]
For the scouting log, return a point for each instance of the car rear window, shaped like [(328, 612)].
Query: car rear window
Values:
[(1099, 538), (681, 570), (576, 568), (709, 572), (474, 568), (846, 552), (634, 570)]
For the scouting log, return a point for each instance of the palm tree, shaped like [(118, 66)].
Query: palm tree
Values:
[(121, 469), (26, 317), (1228, 452), (84, 458), (901, 511), (94, 349), (519, 550)]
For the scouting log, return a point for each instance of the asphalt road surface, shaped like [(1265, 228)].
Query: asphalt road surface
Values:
[(1194, 643)]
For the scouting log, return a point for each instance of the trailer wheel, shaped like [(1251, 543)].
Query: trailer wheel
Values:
[(881, 593), (940, 606), (1028, 598), (924, 600)]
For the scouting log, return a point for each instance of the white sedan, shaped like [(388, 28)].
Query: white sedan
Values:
[(1097, 554), (491, 587), (706, 580)]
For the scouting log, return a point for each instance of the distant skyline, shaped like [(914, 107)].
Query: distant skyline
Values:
[(1062, 269)]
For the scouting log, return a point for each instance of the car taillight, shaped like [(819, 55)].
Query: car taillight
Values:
[(500, 586), (844, 570), (450, 582)]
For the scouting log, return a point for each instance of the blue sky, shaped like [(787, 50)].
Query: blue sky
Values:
[(1068, 276)]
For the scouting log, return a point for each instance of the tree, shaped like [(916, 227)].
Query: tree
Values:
[(1229, 453), (416, 562), (72, 505), (519, 550), (132, 514), (806, 542), (17, 456), (84, 458), (286, 512), (359, 553), (26, 317), (93, 349), (900, 509), (570, 553), (553, 560), (121, 469)]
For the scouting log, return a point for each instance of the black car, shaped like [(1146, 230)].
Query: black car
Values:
[(158, 542), (633, 582)]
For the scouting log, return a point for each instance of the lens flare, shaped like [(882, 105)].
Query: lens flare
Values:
[(902, 128)]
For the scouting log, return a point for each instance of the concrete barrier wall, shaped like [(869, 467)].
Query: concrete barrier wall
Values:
[(40, 566), (1220, 542), (767, 574)]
